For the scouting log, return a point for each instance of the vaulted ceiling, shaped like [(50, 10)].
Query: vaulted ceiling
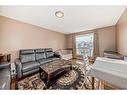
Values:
[(76, 18)]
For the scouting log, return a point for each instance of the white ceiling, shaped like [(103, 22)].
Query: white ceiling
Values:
[(76, 18)]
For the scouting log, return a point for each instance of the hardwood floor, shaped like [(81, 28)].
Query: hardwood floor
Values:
[(13, 83)]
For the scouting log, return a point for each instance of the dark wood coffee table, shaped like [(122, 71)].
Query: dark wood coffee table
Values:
[(52, 71)]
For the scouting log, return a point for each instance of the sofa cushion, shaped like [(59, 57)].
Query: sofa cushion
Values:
[(26, 51), (27, 55), (30, 72), (40, 54), (42, 61), (49, 52), (39, 50), (30, 66), (27, 58)]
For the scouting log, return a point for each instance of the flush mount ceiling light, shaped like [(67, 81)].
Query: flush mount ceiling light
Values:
[(59, 14)]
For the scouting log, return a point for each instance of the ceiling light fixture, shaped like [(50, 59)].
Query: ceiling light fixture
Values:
[(59, 14)]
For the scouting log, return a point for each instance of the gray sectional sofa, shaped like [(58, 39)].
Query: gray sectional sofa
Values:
[(30, 59)]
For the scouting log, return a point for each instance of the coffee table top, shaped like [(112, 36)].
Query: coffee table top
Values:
[(55, 65)]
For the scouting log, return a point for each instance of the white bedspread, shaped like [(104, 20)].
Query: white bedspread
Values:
[(112, 71)]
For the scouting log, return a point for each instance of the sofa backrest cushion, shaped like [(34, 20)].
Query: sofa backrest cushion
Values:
[(49, 52), (40, 54), (27, 55)]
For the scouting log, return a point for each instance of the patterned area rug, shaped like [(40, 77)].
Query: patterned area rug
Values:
[(74, 79)]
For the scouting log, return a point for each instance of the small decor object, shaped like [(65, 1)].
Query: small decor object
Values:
[(5, 57)]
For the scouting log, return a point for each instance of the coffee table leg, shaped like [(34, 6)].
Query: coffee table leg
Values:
[(43, 77), (93, 80), (48, 81), (40, 74)]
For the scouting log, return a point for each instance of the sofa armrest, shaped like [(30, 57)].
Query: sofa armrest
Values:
[(18, 68)]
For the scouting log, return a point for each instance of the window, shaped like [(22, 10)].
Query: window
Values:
[(84, 44)]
